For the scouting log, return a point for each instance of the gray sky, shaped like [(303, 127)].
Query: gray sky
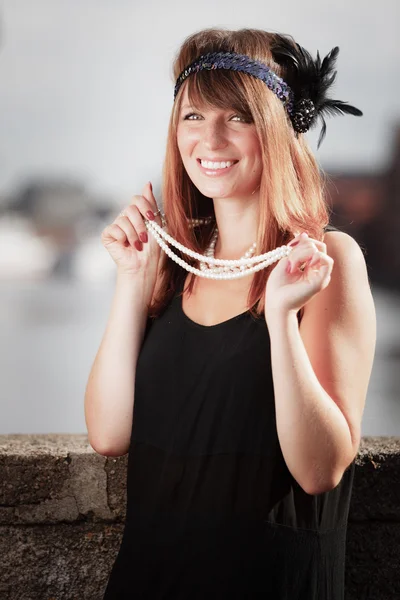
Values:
[(86, 86)]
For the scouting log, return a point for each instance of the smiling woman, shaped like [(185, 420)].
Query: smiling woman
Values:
[(246, 416), (275, 188), (196, 131)]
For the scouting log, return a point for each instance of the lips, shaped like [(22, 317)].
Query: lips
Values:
[(219, 160), (216, 172)]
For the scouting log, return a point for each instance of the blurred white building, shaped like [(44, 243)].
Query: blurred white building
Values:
[(52, 228), (23, 254)]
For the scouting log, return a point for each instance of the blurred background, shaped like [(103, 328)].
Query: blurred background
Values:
[(85, 96)]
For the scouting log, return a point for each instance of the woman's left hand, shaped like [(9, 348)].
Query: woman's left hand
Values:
[(290, 287)]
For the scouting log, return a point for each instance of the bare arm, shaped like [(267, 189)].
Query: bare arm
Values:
[(321, 371), (109, 396)]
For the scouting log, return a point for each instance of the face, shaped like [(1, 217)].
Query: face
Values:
[(219, 135)]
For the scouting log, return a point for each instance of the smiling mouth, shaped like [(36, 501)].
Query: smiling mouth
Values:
[(233, 161), (216, 173)]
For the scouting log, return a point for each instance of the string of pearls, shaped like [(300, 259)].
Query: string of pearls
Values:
[(210, 253), (210, 267)]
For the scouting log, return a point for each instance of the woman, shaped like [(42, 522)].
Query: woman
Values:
[(248, 392)]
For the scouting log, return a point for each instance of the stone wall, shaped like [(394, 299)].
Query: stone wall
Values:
[(62, 512)]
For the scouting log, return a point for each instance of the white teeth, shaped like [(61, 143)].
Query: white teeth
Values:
[(216, 165)]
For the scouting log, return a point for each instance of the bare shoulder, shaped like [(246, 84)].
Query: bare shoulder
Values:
[(345, 249), (349, 286)]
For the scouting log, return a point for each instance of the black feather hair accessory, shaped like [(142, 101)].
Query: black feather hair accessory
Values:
[(310, 81)]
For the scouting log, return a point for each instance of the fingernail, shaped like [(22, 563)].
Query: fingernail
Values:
[(151, 187), (293, 243), (138, 245), (143, 236), (150, 215)]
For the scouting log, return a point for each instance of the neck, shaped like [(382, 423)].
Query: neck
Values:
[(237, 227)]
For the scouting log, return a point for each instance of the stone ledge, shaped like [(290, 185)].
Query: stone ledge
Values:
[(62, 510)]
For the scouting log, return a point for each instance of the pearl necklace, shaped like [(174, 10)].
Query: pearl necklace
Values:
[(210, 252), (233, 269)]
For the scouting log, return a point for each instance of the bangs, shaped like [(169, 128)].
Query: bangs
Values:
[(219, 89)]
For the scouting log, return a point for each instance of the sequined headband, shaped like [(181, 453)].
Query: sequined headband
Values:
[(304, 100), (240, 62)]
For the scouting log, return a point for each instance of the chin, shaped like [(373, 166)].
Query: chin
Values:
[(215, 191)]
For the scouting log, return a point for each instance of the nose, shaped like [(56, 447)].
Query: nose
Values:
[(213, 135)]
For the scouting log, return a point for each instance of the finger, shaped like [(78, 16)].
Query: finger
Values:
[(303, 235), (121, 214), (322, 258), (147, 192), (133, 224), (307, 242), (320, 245), (143, 205), (136, 213), (115, 233), (296, 242), (306, 259), (131, 237), (303, 238), (311, 243), (302, 253)]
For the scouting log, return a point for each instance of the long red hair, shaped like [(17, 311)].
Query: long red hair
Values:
[(292, 190)]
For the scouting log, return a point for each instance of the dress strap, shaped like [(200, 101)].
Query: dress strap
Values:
[(330, 227)]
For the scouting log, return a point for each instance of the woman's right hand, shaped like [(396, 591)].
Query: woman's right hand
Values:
[(125, 238)]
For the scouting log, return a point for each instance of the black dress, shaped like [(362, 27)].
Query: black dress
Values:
[(212, 510)]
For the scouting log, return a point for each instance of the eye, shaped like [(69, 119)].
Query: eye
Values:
[(187, 117)]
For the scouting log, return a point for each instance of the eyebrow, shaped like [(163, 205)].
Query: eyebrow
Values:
[(185, 106)]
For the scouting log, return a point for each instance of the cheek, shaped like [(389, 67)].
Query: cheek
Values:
[(181, 143), (254, 147), (257, 155), (186, 145)]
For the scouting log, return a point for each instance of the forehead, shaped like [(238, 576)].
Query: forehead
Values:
[(219, 94), (197, 101), (185, 99)]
